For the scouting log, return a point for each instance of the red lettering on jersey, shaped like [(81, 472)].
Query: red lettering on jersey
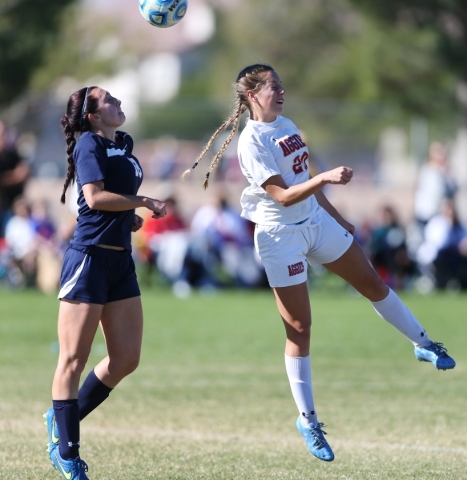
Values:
[(285, 149), (291, 144), (294, 142), (299, 163), (299, 141)]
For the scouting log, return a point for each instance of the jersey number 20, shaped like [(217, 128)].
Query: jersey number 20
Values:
[(299, 163)]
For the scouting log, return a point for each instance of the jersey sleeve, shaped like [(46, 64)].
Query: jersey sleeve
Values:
[(257, 160), (90, 160)]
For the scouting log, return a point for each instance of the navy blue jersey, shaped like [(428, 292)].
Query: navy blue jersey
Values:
[(97, 158)]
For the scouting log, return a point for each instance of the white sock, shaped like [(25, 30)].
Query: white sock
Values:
[(399, 316), (299, 374)]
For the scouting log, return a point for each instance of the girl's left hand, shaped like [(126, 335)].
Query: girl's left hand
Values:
[(137, 223)]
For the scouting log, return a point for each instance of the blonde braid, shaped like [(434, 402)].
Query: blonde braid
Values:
[(233, 119), (215, 161), (250, 78)]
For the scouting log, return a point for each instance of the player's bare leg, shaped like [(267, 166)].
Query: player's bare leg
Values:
[(294, 307), (355, 268)]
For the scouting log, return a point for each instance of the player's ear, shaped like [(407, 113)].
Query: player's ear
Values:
[(251, 95), (93, 117)]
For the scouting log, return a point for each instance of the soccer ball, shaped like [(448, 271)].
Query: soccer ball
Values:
[(163, 13)]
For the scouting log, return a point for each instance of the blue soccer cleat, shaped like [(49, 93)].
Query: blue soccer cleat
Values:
[(52, 431), (436, 354), (315, 441), (69, 469)]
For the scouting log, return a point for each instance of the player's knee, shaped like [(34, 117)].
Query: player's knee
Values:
[(123, 366), (132, 365), (300, 334), (73, 366)]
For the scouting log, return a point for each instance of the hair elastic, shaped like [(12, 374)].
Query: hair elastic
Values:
[(85, 105)]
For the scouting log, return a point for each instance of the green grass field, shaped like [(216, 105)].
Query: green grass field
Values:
[(211, 400)]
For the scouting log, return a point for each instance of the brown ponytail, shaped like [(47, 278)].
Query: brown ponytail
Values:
[(75, 122), (71, 142)]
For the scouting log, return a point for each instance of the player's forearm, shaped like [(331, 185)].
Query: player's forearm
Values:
[(300, 192), (114, 202)]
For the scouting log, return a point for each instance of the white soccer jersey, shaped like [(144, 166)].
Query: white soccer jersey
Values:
[(265, 150)]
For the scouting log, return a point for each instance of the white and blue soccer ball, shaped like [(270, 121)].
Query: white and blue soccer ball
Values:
[(163, 13)]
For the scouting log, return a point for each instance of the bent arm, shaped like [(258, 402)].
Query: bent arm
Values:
[(287, 196), (99, 199)]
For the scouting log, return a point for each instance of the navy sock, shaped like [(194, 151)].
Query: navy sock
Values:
[(67, 418), (91, 394)]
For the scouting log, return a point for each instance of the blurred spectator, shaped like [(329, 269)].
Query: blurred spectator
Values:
[(221, 249), (388, 250), (171, 222), (435, 183), (163, 243), (443, 254), (215, 251), (20, 239), (64, 234), (14, 173), (163, 164), (48, 248), (43, 224), (33, 248)]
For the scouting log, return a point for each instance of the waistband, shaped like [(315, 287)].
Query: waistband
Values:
[(287, 228), (100, 251), (110, 247)]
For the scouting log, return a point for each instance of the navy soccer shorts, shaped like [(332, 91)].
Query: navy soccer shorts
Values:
[(98, 275)]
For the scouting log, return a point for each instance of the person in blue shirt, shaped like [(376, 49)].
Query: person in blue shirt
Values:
[(98, 283)]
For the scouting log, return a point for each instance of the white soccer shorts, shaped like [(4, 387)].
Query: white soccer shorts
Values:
[(286, 250)]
